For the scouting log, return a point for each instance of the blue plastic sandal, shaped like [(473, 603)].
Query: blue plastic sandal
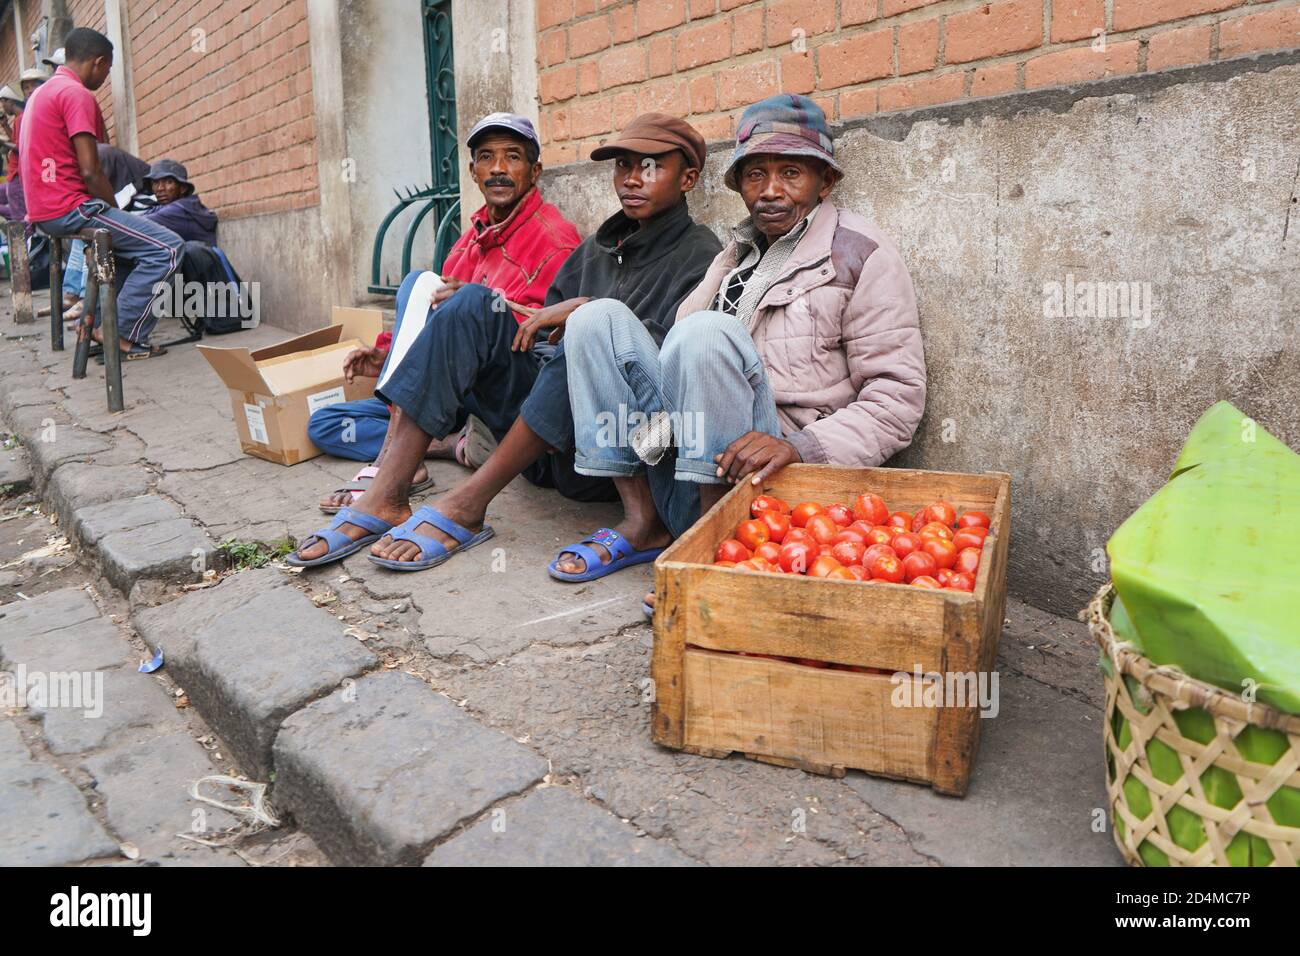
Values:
[(340, 544), (432, 551), (622, 555)]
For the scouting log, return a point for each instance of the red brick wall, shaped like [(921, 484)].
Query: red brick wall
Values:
[(601, 62), (84, 13), (239, 114)]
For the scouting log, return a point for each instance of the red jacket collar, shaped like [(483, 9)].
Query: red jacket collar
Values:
[(486, 234)]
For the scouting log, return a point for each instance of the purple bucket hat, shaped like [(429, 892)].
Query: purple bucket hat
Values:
[(786, 125)]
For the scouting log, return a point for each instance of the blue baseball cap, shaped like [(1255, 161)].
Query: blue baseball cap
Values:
[(508, 122)]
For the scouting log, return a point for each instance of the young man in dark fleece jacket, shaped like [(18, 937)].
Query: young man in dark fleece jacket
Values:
[(648, 256)]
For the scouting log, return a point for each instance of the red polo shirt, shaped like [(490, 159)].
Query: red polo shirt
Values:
[(57, 110)]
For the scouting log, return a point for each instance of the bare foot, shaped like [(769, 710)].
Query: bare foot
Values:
[(349, 499), (461, 512), (641, 536), (391, 512), (650, 599)]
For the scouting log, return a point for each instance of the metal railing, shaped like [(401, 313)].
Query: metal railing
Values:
[(429, 199)]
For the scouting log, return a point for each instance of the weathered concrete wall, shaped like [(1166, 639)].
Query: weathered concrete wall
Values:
[(386, 118), (495, 72), (1185, 181), (285, 253)]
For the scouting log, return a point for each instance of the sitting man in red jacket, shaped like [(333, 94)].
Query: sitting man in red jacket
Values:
[(514, 246)]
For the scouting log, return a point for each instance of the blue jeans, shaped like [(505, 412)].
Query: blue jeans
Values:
[(74, 274), (153, 251), (708, 378), (353, 430), (462, 363)]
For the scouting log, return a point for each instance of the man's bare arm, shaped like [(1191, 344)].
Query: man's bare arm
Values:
[(91, 172)]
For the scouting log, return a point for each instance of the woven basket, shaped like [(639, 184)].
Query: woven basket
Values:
[(1216, 776)]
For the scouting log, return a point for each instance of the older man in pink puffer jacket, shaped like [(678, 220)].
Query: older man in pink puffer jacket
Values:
[(800, 344)]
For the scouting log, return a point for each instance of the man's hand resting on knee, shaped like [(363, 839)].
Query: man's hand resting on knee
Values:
[(552, 317), (445, 291), (756, 453)]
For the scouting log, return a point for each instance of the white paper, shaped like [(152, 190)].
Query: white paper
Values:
[(413, 319), (256, 424)]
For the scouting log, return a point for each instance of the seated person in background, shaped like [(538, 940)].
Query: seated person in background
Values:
[(650, 254), (514, 246), (66, 189), (125, 174), (12, 105), (800, 344), (178, 206)]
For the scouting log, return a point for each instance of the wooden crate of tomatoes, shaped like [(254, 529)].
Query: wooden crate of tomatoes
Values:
[(787, 617)]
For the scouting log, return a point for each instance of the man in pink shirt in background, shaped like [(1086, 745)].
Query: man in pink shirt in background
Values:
[(67, 191)]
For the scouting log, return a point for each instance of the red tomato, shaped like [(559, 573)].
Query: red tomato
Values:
[(973, 519), (752, 533), (933, 529), (942, 512), (799, 534), (822, 528), (850, 534), (859, 572), (768, 551), (724, 564), (967, 538), (905, 543), (732, 550), (943, 576), (871, 508), (778, 525), (920, 519), (876, 550), (887, 568), (848, 552), (861, 527), (801, 512), (750, 565), (968, 561), (797, 556), (962, 582), (900, 519), (879, 536), (841, 515), (768, 503), (925, 581), (841, 573), (823, 566), (943, 552), (919, 564)]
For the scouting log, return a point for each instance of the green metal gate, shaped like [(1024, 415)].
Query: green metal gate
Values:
[(441, 198)]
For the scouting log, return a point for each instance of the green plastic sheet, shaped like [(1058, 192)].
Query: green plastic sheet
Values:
[(1206, 570)]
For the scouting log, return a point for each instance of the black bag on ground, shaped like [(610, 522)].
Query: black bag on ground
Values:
[(225, 305)]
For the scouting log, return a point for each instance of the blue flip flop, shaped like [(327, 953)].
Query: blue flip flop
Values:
[(340, 544), (432, 551), (622, 555)]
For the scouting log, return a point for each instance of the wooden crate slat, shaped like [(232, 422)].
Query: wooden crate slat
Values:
[(827, 717)]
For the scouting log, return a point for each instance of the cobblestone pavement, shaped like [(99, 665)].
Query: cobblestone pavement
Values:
[(475, 713)]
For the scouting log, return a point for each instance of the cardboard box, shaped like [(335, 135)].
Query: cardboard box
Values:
[(274, 390)]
